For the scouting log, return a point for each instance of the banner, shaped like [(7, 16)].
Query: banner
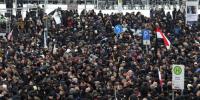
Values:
[(191, 11), (178, 76)]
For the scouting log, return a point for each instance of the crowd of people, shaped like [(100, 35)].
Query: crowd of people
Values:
[(84, 60)]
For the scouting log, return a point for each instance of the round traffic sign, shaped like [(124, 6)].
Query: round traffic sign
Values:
[(118, 29), (177, 70)]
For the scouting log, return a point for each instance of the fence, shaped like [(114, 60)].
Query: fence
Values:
[(138, 4)]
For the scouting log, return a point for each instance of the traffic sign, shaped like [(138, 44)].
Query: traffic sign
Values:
[(178, 77), (146, 37), (118, 30)]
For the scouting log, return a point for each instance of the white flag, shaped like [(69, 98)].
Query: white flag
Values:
[(54, 49), (57, 18), (160, 78), (10, 36)]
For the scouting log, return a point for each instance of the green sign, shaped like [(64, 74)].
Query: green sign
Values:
[(177, 70), (178, 76)]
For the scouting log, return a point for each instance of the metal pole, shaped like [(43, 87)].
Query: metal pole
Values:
[(147, 49), (97, 4), (131, 4), (9, 23), (85, 6), (115, 94), (181, 92), (37, 8), (46, 25), (172, 94), (27, 5), (16, 6), (45, 7), (185, 12)]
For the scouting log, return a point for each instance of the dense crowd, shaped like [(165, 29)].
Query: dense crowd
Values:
[(86, 61)]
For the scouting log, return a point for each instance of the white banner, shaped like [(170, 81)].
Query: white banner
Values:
[(178, 75), (192, 11)]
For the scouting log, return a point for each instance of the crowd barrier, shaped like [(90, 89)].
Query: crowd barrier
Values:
[(51, 7)]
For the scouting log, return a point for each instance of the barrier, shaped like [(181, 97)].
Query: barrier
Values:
[(51, 7)]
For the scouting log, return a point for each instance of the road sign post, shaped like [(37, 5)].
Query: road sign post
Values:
[(178, 77), (146, 39)]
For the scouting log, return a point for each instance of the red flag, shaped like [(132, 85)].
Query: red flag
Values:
[(10, 36), (162, 35), (160, 78)]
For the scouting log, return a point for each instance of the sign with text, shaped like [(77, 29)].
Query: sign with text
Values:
[(146, 37), (178, 75), (191, 11)]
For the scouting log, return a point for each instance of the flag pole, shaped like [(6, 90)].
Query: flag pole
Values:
[(156, 46), (181, 92), (97, 4), (147, 49), (160, 79)]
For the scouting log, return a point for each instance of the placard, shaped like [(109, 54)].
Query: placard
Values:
[(191, 11)]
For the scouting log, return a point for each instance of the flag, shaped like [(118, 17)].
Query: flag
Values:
[(57, 18), (10, 36), (162, 36), (45, 39), (54, 49), (160, 78)]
